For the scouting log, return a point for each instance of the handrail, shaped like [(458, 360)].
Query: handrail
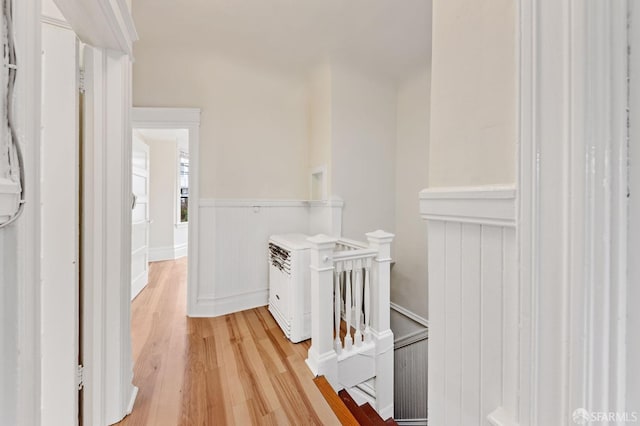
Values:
[(354, 254)]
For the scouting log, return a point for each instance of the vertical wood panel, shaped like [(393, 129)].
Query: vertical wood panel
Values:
[(233, 266), (470, 404), (453, 320), (491, 320), (437, 324), (410, 381), (511, 303)]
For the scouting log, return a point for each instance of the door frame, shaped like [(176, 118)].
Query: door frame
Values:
[(182, 118), (572, 207)]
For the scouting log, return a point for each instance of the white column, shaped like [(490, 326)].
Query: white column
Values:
[(322, 358), (380, 324)]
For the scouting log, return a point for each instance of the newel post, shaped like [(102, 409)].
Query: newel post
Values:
[(380, 322), (322, 358)]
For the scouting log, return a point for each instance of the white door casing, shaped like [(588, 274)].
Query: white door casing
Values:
[(60, 222), (572, 208), (139, 215)]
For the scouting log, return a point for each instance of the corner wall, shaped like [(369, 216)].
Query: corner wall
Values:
[(363, 127), (409, 274)]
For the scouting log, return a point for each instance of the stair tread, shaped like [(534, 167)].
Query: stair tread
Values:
[(390, 421), (357, 412), (372, 414), (335, 402)]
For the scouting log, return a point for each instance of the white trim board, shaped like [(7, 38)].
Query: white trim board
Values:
[(412, 422), (481, 205), (572, 208), (409, 314), (159, 254), (101, 23), (215, 306), (215, 202)]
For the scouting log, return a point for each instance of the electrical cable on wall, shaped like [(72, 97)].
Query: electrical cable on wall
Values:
[(16, 163)]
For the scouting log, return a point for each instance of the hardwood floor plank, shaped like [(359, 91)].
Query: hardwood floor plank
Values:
[(235, 369)]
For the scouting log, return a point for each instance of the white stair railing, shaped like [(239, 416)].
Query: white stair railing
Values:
[(351, 280)]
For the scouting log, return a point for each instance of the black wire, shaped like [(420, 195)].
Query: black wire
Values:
[(13, 72)]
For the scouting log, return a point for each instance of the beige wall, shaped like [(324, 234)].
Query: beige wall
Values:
[(409, 274), (254, 130), (473, 103), (363, 127), (320, 120)]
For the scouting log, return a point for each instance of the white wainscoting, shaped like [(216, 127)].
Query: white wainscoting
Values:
[(233, 273), (473, 305)]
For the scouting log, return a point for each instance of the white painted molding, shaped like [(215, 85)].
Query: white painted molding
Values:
[(159, 254), (572, 207), (215, 306), (216, 202), (481, 205), (252, 203), (101, 23), (409, 314), (55, 22), (407, 339), (25, 233), (181, 250), (412, 422), (167, 117)]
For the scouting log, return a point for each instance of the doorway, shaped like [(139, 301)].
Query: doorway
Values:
[(173, 133), (160, 186)]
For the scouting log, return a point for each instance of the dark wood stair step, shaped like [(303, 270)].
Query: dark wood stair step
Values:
[(335, 402), (373, 415), (355, 409), (347, 410)]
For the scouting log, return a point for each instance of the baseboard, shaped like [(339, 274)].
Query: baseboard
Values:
[(411, 422), (138, 285), (132, 400), (420, 332), (159, 254), (180, 250), (409, 314), (211, 306)]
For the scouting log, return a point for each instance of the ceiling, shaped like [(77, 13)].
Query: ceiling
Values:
[(392, 37)]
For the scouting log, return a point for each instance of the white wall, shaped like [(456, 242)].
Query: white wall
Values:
[(254, 130), (363, 125), (409, 274), (162, 192), (473, 97)]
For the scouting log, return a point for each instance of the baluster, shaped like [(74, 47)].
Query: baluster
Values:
[(367, 300), (358, 302), (348, 301), (337, 306)]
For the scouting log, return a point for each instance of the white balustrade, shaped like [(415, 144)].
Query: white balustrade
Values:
[(350, 282)]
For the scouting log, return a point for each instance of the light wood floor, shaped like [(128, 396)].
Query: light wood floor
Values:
[(236, 369)]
